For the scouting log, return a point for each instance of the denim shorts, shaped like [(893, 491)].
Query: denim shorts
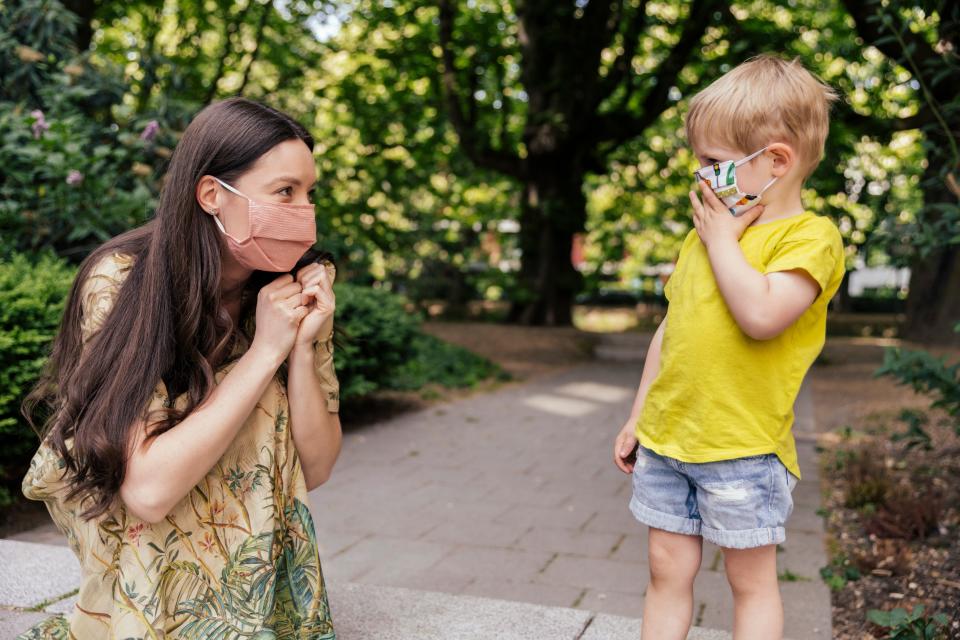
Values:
[(739, 503)]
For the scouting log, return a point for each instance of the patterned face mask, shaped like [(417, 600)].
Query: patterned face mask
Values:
[(722, 177)]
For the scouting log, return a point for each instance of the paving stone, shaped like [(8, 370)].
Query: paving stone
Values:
[(44, 534), (593, 573), (472, 532), (381, 558), (570, 541), (494, 563), (607, 627), (384, 613), (570, 516), (632, 547), (64, 606), (612, 602), (31, 585), (523, 591)]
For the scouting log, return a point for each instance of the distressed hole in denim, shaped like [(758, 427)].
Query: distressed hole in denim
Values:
[(732, 492)]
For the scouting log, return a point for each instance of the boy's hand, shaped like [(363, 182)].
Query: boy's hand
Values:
[(625, 448), (713, 219)]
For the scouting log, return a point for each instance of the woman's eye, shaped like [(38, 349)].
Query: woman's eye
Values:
[(287, 191)]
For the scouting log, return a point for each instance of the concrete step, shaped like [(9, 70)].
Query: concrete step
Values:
[(37, 578)]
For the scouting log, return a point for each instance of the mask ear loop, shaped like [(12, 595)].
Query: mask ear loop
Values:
[(749, 157), (772, 180), (216, 218), (229, 187)]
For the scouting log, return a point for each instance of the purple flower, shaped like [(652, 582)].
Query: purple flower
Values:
[(74, 177), (40, 124), (150, 131)]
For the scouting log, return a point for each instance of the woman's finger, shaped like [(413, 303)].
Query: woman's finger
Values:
[(306, 272)]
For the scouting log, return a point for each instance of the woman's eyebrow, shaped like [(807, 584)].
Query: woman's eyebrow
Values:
[(292, 179)]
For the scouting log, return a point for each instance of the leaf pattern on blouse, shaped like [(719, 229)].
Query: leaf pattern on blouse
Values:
[(236, 558)]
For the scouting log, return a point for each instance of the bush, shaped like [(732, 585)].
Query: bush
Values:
[(928, 375), (383, 348), (32, 297), (438, 362), (377, 339)]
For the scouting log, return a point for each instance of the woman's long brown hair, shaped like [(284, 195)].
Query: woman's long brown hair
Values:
[(167, 322)]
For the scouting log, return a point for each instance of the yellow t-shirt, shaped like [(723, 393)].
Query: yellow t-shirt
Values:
[(721, 394)]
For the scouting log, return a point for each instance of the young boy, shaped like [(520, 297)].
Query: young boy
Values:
[(709, 439)]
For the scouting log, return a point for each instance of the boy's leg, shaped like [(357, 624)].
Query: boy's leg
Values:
[(758, 610), (668, 604)]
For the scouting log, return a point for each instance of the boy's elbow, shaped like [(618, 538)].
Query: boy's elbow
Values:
[(762, 327)]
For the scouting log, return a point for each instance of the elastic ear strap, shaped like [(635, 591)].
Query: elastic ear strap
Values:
[(229, 187), (749, 157), (772, 180)]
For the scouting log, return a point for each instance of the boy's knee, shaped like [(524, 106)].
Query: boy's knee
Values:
[(673, 562), (751, 571)]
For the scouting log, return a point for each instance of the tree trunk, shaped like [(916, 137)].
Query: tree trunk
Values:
[(553, 210), (933, 302), (85, 11)]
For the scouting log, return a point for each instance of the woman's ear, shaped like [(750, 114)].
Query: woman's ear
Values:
[(208, 195), (783, 157)]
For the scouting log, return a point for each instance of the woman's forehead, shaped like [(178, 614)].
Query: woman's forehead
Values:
[(290, 159)]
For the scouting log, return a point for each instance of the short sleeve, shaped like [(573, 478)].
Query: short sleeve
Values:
[(99, 291), (687, 241), (819, 256)]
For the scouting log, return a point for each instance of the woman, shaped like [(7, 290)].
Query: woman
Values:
[(190, 400)]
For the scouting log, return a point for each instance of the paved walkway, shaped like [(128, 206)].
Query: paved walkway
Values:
[(512, 495)]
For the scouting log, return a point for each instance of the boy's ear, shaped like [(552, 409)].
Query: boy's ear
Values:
[(784, 157)]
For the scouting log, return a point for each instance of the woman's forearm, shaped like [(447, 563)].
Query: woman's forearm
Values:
[(164, 469), (316, 431)]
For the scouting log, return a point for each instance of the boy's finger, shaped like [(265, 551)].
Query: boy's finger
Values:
[(695, 201), (709, 197)]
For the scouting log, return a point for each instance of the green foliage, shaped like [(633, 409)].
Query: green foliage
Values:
[(439, 362), (71, 177), (72, 186), (383, 348), (32, 296), (928, 375), (913, 625), (915, 435), (839, 572), (378, 338)]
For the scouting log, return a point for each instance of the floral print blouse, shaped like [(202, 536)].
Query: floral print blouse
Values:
[(236, 558)]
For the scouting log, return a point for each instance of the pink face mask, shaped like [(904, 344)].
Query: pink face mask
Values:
[(279, 234)]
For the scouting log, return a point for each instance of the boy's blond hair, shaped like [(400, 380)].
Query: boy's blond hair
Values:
[(766, 99)]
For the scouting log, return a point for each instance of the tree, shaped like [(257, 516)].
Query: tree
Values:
[(584, 96), (901, 31)]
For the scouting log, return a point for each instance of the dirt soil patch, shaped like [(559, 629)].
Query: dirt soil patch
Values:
[(893, 511)]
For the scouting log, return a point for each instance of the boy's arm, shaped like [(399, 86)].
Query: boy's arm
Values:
[(626, 441), (763, 305)]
